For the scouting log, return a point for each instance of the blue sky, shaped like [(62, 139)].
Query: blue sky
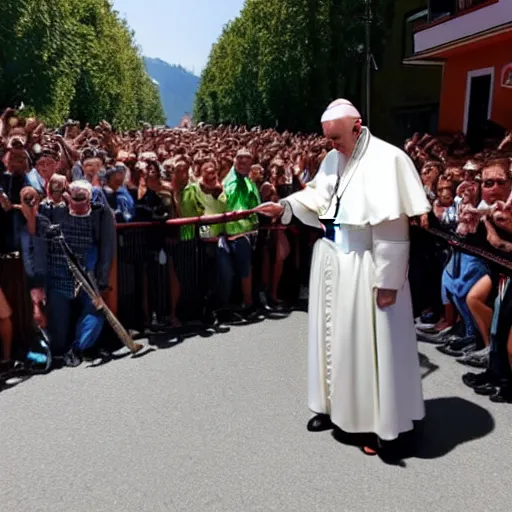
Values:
[(178, 31)]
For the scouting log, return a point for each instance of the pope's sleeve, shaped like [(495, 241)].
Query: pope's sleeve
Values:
[(391, 253), (314, 200)]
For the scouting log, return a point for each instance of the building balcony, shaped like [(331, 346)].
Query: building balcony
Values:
[(451, 22), (444, 10)]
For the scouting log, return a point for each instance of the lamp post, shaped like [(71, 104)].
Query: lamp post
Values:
[(369, 59)]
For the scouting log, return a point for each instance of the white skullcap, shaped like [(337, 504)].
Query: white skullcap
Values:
[(340, 109)]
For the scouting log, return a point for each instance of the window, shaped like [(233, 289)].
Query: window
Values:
[(412, 21), (442, 8), (463, 5)]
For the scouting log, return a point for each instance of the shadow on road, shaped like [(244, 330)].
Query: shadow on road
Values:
[(449, 422), (11, 380), (427, 366)]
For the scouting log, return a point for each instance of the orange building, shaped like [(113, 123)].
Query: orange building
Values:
[(472, 40)]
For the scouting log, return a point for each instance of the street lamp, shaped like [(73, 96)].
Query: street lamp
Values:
[(368, 62)]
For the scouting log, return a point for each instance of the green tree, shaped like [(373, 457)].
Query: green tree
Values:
[(279, 63), (74, 58)]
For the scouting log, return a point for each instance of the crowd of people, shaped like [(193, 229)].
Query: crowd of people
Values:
[(464, 296), (89, 179)]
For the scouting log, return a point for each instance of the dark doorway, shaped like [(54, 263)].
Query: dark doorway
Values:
[(478, 111)]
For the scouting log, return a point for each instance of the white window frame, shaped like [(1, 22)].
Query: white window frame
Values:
[(472, 74), (417, 16)]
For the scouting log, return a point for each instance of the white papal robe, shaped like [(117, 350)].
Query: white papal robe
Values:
[(363, 364)]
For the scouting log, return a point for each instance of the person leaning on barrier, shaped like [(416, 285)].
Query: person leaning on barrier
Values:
[(242, 194), (206, 197), (467, 279), (88, 228), (158, 200)]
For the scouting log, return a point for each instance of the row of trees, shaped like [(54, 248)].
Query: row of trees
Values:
[(280, 62), (74, 58)]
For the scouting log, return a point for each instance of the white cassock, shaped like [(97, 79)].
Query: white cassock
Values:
[(363, 361)]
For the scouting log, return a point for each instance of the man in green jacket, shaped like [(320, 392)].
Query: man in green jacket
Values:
[(242, 194)]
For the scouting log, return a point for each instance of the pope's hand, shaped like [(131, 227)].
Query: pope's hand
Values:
[(385, 298), (270, 209)]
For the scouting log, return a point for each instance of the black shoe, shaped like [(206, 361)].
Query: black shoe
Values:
[(320, 423), (251, 314), (218, 326), (229, 317), (264, 303), (477, 379), (503, 395), (488, 389), (72, 359), (6, 366), (458, 348)]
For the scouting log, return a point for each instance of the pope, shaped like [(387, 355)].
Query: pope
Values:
[(363, 365)]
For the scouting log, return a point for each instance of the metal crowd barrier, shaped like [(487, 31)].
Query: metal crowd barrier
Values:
[(141, 285), (149, 254), (15, 288)]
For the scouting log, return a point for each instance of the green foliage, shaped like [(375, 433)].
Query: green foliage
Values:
[(74, 58), (281, 62)]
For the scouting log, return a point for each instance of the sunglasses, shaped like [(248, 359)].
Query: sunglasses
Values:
[(491, 183)]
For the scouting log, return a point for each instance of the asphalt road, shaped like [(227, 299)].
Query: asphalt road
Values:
[(219, 424)]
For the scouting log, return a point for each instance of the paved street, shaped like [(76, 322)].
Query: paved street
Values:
[(219, 424)]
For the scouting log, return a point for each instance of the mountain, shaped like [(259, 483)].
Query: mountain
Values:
[(177, 88)]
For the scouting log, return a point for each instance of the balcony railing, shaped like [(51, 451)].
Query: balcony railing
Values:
[(449, 8)]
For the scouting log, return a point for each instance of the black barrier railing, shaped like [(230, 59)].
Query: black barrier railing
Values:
[(455, 241), (153, 261)]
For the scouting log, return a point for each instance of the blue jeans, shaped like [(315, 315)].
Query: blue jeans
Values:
[(462, 272), (88, 326), (223, 278), (232, 258)]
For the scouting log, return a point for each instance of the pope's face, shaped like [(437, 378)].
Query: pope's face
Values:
[(341, 135)]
